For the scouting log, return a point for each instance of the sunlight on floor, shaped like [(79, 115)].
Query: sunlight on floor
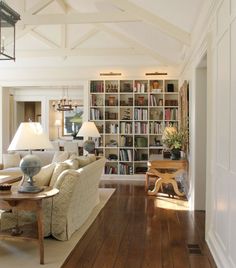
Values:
[(171, 203)]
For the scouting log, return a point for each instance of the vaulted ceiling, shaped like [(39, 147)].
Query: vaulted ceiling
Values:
[(103, 32)]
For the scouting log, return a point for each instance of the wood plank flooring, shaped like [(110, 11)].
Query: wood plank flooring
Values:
[(135, 230)]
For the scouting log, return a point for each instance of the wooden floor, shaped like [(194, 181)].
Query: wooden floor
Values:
[(135, 230)]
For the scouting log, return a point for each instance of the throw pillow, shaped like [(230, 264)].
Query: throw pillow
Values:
[(11, 160), (92, 157), (83, 161), (44, 175), (60, 156), (57, 171), (73, 163)]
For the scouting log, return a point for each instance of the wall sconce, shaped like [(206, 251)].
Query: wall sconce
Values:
[(156, 73), (8, 19), (110, 74)]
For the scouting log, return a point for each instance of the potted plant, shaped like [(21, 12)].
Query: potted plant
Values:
[(174, 140)]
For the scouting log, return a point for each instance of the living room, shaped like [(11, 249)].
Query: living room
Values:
[(62, 47)]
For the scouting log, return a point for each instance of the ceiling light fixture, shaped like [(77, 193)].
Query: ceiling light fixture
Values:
[(65, 103), (156, 73), (8, 19), (110, 74)]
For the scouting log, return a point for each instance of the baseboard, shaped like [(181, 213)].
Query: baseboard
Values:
[(219, 256)]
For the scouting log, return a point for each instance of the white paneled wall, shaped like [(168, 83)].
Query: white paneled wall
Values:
[(222, 231)]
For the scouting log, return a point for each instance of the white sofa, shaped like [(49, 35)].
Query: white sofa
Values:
[(68, 210)]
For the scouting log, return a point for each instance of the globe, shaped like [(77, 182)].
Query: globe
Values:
[(89, 146), (30, 165)]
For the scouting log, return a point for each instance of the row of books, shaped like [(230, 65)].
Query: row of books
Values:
[(110, 169), (126, 128), (126, 155), (125, 169), (140, 114), (156, 127), (96, 86), (140, 128), (96, 114), (171, 114)]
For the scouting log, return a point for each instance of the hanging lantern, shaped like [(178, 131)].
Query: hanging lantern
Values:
[(8, 19)]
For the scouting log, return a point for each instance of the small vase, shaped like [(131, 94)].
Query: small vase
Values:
[(175, 154)]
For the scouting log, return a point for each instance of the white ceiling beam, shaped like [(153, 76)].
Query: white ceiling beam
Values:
[(79, 52), (78, 18), (84, 38), (43, 39), (63, 5), (161, 24), (135, 44), (39, 6), (63, 36), (23, 32)]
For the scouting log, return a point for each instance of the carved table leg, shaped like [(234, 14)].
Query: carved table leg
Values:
[(40, 232)]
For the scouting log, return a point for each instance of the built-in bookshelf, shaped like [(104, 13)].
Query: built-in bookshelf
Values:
[(131, 116)]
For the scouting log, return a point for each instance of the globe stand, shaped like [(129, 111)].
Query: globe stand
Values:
[(29, 187), (30, 166)]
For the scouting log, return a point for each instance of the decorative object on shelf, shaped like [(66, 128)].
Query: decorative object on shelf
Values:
[(89, 129), (170, 87), (8, 20), (156, 73), (30, 136), (174, 140), (58, 125), (65, 103), (110, 74)]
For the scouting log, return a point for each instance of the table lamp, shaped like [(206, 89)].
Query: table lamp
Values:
[(30, 136), (58, 125), (89, 129)]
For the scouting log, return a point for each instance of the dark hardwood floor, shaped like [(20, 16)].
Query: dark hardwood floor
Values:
[(135, 230)]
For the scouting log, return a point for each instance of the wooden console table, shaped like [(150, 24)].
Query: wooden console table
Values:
[(30, 202), (166, 171)]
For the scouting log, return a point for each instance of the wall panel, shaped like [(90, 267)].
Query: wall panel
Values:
[(222, 18), (223, 102), (232, 208)]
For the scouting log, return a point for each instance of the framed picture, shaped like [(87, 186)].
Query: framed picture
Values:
[(72, 121)]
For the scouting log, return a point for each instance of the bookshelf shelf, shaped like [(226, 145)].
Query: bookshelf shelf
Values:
[(131, 116)]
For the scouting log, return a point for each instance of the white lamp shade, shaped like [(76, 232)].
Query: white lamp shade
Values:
[(30, 136), (88, 129), (57, 123)]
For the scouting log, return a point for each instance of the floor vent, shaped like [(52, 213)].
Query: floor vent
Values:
[(194, 249)]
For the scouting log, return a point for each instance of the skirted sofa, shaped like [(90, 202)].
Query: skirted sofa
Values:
[(77, 179)]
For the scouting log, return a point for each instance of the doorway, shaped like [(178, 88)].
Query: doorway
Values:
[(200, 135), (28, 111)]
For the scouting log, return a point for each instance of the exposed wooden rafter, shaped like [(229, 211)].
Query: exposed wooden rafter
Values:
[(161, 24), (135, 44), (84, 38), (60, 52), (78, 18), (39, 6), (42, 38), (63, 5)]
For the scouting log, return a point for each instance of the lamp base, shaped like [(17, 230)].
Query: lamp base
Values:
[(30, 189)]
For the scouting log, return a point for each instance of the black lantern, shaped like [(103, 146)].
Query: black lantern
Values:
[(8, 19)]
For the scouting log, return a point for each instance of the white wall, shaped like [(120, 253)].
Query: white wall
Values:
[(218, 38)]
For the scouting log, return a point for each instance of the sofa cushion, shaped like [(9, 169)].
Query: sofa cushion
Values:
[(44, 176), (73, 163), (83, 161), (60, 156), (57, 171), (92, 157), (11, 160)]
